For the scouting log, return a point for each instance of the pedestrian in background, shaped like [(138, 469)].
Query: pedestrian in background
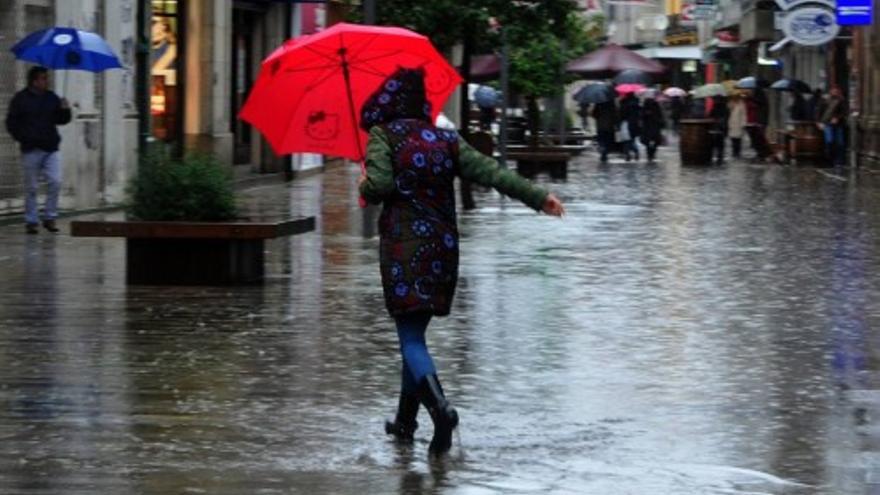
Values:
[(799, 110), (631, 118), (833, 113), (32, 120), (754, 126), (605, 115), (676, 110), (736, 123), (410, 168), (719, 115), (652, 126), (814, 105)]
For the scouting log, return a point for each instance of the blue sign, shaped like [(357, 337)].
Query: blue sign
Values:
[(854, 12)]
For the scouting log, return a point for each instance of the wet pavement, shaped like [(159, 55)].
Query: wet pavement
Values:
[(682, 331)]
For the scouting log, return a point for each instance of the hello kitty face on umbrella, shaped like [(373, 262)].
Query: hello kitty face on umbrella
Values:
[(322, 126)]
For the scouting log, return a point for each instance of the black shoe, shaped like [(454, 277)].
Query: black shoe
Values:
[(404, 425), (444, 416), (50, 226), (32, 228)]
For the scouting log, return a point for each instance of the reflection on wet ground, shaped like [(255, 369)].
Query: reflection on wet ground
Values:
[(682, 331)]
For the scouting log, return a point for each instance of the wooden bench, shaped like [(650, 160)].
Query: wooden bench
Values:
[(532, 161), (193, 253)]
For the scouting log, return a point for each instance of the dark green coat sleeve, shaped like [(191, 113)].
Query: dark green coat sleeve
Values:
[(380, 173), (477, 167)]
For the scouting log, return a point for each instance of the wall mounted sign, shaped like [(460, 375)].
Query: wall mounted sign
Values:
[(808, 26), (854, 12)]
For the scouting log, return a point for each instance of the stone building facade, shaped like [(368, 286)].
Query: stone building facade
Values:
[(196, 61)]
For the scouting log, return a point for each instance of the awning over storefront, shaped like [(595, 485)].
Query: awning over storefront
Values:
[(689, 52)]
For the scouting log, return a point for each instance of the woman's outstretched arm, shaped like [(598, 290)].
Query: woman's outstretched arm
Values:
[(477, 167)]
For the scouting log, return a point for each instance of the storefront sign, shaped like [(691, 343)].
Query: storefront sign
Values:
[(808, 26), (854, 12)]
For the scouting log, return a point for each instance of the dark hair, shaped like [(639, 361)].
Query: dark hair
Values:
[(35, 72)]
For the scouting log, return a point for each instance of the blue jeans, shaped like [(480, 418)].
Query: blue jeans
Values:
[(417, 362), (48, 164), (835, 144)]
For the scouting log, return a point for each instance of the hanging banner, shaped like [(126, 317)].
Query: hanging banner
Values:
[(854, 12)]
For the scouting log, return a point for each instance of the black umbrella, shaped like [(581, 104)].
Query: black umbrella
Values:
[(793, 85), (751, 82), (594, 93), (632, 76)]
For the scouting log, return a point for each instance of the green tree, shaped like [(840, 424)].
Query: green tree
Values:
[(542, 36)]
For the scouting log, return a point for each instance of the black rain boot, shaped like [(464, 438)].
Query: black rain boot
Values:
[(444, 416), (404, 425)]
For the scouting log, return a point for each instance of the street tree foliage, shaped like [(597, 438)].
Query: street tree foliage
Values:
[(541, 36)]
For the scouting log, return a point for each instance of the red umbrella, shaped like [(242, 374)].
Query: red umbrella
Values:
[(610, 60), (310, 90)]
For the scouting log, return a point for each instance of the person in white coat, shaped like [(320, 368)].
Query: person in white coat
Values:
[(736, 123)]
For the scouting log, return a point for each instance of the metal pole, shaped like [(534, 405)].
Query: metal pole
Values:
[(505, 88), (142, 74)]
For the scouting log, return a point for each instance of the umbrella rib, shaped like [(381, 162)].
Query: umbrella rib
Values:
[(371, 70), (307, 69)]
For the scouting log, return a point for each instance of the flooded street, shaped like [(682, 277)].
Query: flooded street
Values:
[(683, 331)]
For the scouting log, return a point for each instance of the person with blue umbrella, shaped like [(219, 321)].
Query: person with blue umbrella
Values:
[(35, 112), (32, 120)]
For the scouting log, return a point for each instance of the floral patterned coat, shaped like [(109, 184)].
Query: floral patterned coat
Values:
[(411, 166)]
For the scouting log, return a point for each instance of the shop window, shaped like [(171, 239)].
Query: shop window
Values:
[(165, 92)]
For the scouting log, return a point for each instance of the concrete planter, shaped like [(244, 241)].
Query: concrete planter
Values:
[(193, 253)]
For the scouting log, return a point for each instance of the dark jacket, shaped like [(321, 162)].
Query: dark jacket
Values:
[(32, 120), (631, 113), (652, 121), (411, 166), (833, 111), (606, 116), (799, 110), (719, 114)]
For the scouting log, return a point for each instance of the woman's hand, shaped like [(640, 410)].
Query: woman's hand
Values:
[(552, 206)]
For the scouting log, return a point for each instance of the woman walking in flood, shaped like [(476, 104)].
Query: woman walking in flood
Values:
[(410, 168)]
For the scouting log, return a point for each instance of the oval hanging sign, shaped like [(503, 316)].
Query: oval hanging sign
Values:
[(810, 26)]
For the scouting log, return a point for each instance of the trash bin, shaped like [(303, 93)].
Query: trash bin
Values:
[(808, 147), (695, 144)]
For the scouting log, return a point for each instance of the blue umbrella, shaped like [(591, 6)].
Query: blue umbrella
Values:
[(487, 97), (67, 49)]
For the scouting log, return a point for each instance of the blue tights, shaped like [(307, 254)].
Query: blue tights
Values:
[(417, 362)]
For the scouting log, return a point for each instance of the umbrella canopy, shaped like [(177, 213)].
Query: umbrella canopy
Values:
[(487, 97), (710, 90), (674, 92), (793, 85), (610, 60), (64, 48), (751, 82), (593, 94), (309, 93), (629, 88), (632, 76), (485, 68)]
